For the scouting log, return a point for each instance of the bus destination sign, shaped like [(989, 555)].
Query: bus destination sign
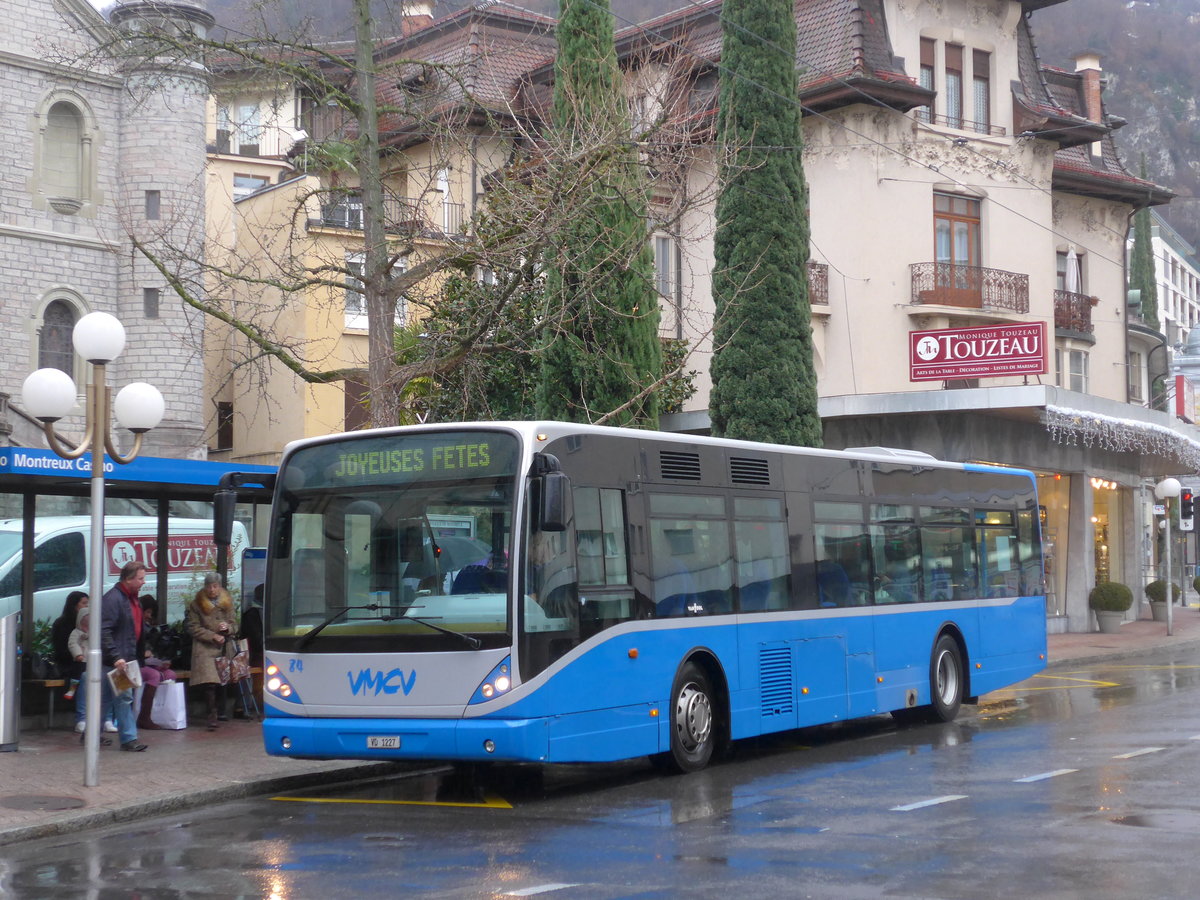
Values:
[(413, 457), (990, 351)]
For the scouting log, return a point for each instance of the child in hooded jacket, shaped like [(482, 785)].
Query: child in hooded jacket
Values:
[(77, 642)]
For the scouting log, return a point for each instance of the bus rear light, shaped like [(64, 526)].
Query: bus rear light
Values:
[(498, 682)]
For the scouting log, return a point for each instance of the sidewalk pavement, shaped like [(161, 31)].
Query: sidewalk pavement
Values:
[(42, 792)]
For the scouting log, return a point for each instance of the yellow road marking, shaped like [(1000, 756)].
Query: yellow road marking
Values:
[(489, 802), (1077, 682)]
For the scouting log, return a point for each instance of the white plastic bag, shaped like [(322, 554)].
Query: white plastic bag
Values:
[(169, 709)]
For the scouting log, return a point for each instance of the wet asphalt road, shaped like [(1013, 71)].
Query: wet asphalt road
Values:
[(1076, 784)]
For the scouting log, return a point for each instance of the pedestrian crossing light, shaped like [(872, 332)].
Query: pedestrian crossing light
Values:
[(1187, 508)]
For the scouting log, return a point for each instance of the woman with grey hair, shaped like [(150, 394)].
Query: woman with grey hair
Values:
[(211, 621)]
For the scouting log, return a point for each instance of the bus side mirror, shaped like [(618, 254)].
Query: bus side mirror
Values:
[(224, 503), (556, 501)]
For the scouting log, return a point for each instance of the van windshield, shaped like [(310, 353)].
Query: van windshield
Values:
[(10, 545)]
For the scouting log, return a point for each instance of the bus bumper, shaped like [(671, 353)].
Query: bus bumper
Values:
[(511, 740)]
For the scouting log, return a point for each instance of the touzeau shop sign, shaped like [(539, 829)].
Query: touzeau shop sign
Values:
[(991, 350)]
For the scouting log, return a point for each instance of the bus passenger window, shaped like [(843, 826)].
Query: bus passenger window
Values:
[(843, 554), (896, 552), (948, 554), (600, 536), (761, 551), (693, 573)]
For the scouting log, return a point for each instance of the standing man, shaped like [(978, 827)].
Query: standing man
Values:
[(120, 629)]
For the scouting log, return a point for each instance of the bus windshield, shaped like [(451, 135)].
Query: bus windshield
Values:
[(394, 543)]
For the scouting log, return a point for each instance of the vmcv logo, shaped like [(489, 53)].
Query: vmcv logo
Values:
[(382, 682)]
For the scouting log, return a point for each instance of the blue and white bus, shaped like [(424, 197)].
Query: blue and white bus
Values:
[(602, 593)]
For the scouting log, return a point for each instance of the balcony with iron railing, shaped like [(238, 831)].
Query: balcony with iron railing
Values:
[(1073, 312), (400, 216), (818, 283), (969, 287), (958, 122)]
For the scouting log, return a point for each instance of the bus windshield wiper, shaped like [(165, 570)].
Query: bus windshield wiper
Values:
[(473, 642), (329, 620)]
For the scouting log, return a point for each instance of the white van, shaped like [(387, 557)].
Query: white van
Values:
[(62, 554)]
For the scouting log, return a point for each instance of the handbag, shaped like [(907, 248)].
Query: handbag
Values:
[(169, 709), (233, 665)]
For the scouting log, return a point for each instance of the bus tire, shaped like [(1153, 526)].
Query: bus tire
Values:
[(946, 680), (693, 722)]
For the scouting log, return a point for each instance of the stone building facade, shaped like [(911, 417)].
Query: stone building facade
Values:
[(104, 152)]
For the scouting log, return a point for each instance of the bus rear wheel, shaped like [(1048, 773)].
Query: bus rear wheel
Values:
[(946, 680), (693, 722)]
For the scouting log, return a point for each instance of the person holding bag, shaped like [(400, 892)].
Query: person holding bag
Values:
[(211, 621)]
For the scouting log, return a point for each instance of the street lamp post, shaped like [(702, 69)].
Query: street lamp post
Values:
[(49, 395), (1167, 490)]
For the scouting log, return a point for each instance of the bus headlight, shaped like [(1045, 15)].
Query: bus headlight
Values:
[(275, 684), (499, 681)]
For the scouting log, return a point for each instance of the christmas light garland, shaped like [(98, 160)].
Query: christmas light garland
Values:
[(1074, 427)]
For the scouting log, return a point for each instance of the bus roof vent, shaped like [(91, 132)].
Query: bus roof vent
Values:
[(679, 466), (744, 470)]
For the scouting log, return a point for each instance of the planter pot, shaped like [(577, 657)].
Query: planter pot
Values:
[(1159, 611), (1109, 621)]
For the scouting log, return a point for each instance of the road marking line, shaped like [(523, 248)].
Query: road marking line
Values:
[(540, 889), (489, 802), (1141, 752), (934, 802), (1194, 737), (1043, 776)]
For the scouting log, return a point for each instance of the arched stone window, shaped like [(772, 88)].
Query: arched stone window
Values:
[(64, 140), (55, 350), (62, 156)]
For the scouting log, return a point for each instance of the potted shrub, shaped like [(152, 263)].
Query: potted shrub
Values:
[(1156, 592), (1110, 600)]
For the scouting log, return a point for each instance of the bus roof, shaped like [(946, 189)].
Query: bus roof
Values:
[(534, 430)]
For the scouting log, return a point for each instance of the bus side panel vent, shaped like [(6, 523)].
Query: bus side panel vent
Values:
[(743, 470), (679, 466), (776, 680)]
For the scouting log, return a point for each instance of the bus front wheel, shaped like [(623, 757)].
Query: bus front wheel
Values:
[(946, 676), (693, 723)]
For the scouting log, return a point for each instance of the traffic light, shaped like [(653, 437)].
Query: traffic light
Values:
[(1187, 509)]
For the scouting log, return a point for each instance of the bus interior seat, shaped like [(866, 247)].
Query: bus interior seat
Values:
[(478, 579), (833, 585)]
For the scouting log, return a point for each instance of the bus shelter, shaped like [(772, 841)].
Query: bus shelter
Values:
[(37, 483)]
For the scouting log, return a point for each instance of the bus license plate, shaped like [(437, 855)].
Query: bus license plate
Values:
[(383, 742)]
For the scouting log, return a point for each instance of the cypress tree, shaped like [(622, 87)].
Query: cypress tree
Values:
[(600, 346), (764, 387)]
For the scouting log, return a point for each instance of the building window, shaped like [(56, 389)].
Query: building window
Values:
[(249, 130), (224, 430), (954, 85), (150, 298), (153, 204), (928, 50), (981, 79), (55, 350), (245, 185), (956, 227), (1069, 272), (1071, 369), (666, 266), (343, 211), (62, 159), (1135, 366), (356, 303)]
